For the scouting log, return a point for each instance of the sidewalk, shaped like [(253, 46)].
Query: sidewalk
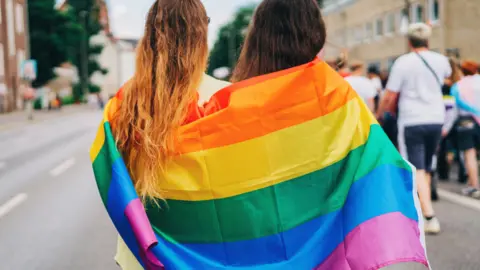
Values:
[(19, 118)]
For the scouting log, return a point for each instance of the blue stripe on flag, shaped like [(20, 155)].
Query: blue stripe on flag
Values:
[(121, 192), (385, 190)]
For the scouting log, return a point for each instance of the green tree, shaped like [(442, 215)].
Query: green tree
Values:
[(52, 33), (87, 14)]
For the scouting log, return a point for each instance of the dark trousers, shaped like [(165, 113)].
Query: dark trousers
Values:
[(448, 144), (390, 127)]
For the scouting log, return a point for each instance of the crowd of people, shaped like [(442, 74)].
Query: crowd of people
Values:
[(429, 107)]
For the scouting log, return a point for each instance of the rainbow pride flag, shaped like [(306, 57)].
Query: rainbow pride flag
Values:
[(284, 171)]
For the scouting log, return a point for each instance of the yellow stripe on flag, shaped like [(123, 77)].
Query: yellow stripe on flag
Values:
[(100, 138), (98, 143), (265, 161)]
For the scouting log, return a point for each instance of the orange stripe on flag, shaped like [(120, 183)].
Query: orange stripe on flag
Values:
[(262, 105), (266, 107)]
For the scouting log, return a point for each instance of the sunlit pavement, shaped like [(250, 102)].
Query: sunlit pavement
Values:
[(51, 216)]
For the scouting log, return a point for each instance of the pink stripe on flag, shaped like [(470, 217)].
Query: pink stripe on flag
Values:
[(382, 241), (137, 217)]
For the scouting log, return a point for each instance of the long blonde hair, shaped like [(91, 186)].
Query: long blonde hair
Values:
[(171, 59)]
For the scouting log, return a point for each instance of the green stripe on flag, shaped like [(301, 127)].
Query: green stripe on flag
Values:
[(283, 206)]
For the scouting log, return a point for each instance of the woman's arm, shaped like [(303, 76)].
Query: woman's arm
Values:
[(371, 104)]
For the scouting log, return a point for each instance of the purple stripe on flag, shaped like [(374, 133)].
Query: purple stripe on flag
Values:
[(379, 242), (137, 217)]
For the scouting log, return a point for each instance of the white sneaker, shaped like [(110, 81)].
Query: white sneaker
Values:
[(471, 192), (432, 226), (476, 194)]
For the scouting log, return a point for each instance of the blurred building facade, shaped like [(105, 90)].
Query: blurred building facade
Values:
[(13, 51), (118, 57), (371, 30)]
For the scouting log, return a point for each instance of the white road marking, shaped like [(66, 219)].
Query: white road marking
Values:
[(63, 167), (2, 165), (459, 199), (12, 203)]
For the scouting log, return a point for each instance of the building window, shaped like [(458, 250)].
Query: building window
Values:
[(402, 21), (359, 35), (343, 37), (351, 37), (10, 28), (329, 4), (19, 18), (379, 28), (434, 10), (417, 13), (334, 5), (2, 61), (368, 31), (390, 23)]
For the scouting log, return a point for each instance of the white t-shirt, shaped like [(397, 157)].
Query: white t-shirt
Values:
[(421, 98), (363, 86), (377, 83)]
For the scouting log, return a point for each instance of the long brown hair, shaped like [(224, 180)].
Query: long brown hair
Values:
[(283, 34), (457, 73), (171, 59)]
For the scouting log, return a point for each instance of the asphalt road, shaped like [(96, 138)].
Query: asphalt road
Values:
[(51, 217)]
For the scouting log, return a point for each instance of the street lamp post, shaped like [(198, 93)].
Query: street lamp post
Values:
[(84, 53)]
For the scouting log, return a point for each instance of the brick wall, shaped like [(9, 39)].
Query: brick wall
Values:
[(13, 32)]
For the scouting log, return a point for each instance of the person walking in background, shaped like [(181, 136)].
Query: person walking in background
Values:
[(447, 146), (100, 101), (416, 81), (467, 98), (3, 95), (342, 66), (389, 119), (362, 85), (374, 75), (28, 97), (384, 74)]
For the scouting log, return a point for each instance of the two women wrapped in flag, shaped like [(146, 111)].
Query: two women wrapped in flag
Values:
[(284, 169)]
